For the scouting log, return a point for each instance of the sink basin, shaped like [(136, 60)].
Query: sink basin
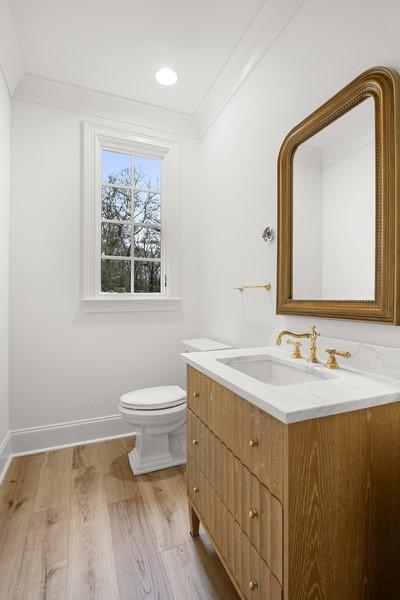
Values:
[(273, 372)]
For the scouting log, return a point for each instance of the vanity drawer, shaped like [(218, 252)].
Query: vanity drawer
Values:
[(213, 458), (258, 512), (251, 573), (256, 581), (196, 439), (259, 444), (251, 434), (197, 489), (260, 516), (198, 393), (220, 470)]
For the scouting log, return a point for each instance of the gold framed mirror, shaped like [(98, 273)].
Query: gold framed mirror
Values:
[(338, 206)]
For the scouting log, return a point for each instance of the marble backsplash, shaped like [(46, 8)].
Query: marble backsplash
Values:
[(381, 360)]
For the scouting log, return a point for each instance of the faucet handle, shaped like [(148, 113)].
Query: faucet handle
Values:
[(332, 363), (296, 350)]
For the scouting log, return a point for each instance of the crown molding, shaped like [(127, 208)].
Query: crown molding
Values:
[(268, 24), (57, 94)]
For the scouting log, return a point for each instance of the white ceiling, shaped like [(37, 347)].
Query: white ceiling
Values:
[(116, 46)]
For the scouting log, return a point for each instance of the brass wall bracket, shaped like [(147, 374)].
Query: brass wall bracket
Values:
[(266, 286)]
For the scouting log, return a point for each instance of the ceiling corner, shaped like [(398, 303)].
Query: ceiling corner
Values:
[(268, 24)]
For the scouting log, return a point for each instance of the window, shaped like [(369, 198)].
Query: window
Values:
[(131, 221), (131, 231)]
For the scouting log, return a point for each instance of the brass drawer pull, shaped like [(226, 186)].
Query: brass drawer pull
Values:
[(253, 585), (195, 442), (195, 489), (196, 394), (253, 513), (253, 443)]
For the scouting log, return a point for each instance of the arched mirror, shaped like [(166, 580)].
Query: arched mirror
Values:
[(338, 207)]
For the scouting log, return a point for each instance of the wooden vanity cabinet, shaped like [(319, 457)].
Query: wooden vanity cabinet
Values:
[(309, 510)]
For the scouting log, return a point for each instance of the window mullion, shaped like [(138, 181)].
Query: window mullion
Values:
[(117, 186), (116, 221), (132, 224), (146, 224)]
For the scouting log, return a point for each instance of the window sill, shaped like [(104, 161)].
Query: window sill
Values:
[(113, 304)]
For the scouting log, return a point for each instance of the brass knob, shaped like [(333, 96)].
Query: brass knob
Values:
[(196, 394), (253, 585), (253, 513), (195, 442), (253, 443), (195, 489)]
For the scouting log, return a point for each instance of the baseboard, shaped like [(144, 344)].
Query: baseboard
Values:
[(5, 455), (49, 437)]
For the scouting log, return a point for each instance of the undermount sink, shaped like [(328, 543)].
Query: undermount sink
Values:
[(273, 372)]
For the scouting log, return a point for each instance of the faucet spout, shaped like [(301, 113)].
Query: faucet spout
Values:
[(283, 333), (311, 335)]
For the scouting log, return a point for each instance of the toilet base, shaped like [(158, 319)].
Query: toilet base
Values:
[(156, 452), (140, 466)]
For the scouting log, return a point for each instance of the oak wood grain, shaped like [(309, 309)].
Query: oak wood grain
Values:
[(218, 480), (139, 567), (196, 573), (71, 522), (44, 565), (17, 498), (91, 571), (237, 424), (343, 506), (162, 493), (54, 486), (324, 495)]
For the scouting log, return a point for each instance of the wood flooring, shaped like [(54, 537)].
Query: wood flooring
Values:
[(75, 524)]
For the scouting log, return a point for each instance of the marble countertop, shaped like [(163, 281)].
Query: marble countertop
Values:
[(332, 392)]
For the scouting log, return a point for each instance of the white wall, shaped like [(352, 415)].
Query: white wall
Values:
[(67, 364), (5, 118), (10, 53), (323, 47)]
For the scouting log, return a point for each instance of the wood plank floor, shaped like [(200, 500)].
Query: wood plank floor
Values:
[(75, 524)]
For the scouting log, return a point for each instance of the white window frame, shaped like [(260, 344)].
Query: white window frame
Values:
[(95, 138)]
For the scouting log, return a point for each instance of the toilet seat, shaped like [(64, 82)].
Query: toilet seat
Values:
[(155, 398)]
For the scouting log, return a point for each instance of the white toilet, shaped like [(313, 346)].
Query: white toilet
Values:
[(158, 417)]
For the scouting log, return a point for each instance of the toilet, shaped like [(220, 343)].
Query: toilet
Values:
[(158, 417)]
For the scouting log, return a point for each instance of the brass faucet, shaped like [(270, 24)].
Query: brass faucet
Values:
[(311, 335)]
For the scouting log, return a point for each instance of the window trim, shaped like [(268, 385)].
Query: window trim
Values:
[(96, 137)]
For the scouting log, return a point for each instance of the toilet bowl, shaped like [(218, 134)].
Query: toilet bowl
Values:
[(158, 418)]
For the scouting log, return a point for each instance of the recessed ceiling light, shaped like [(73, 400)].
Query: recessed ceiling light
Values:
[(166, 76)]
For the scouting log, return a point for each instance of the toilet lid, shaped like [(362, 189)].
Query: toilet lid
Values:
[(165, 396)]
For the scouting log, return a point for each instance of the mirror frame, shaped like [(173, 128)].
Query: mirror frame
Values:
[(383, 85)]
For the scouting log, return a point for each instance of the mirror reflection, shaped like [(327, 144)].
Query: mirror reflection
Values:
[(334, 210)]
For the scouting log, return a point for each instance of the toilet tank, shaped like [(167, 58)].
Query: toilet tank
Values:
[(203, 345)]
